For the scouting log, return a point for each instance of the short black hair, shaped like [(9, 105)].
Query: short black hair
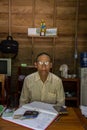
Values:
[(43, 53)]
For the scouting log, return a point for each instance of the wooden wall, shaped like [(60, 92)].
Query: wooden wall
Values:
[(69, 16)]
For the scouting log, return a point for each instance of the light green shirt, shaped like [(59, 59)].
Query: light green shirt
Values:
[(51, 91)]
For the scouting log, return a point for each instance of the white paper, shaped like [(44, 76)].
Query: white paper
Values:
[(51, 32), (42, 107), (84, 110), (41, 122), (31, 31)]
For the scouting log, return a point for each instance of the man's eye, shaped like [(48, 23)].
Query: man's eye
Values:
[(46, 63), (43, 63)]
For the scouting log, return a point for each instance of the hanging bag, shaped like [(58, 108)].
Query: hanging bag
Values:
[(9, 46)]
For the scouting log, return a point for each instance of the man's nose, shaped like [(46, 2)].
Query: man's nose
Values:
[(44, 66)]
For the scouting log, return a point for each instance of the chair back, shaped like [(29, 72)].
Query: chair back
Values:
[(2, 90)]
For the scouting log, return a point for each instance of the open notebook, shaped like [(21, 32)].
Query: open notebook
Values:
[(45, 117)]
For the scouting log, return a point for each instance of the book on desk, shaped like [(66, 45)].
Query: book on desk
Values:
[(46, 115)]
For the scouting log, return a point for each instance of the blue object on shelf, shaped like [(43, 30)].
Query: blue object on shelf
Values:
[(83, 59)]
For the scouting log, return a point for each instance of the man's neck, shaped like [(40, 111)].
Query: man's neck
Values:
[(43, 78)]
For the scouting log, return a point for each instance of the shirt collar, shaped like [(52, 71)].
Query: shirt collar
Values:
[(37, 77)]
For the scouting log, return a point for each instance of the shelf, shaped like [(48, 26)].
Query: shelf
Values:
[(72, 91), (42, 36), (71, 98), (70, 79)]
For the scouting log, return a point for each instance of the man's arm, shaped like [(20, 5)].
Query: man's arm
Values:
[(24, 97), (60, 94)]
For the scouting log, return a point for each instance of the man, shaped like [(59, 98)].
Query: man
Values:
[(43, 85)]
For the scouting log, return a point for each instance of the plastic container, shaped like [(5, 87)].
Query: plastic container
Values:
[(83, 59)]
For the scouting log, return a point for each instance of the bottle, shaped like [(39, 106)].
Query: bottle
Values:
[(43, 28)]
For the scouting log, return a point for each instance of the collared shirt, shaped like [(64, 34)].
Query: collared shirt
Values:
[(51, 91)]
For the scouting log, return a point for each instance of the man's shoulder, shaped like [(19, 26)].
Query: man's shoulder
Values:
[(56, 77), (30, 76)]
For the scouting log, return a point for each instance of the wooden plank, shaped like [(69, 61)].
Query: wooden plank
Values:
[(56, 13)]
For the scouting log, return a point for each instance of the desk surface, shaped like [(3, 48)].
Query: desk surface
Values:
[(72, 121)]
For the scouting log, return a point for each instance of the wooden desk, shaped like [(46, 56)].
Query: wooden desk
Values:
[(82, 119), (66, 122)]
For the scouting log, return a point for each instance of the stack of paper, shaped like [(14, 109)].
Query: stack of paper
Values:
[(84, 110)]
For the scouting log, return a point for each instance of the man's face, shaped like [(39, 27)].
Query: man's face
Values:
[(43, 65)]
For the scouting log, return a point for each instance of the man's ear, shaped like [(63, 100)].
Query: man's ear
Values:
[(35, 64)]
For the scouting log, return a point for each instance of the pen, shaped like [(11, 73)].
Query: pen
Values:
[(58, 118)]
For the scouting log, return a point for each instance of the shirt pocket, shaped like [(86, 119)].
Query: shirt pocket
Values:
[(51, 97)]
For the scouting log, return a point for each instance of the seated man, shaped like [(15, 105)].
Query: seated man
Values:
[(43, 85)]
